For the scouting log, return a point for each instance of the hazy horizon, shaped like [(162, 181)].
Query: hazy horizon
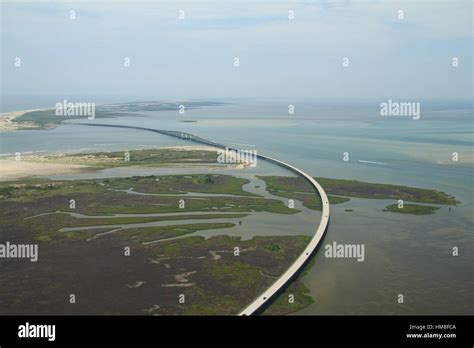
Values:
[(279, 57), (11, 103)]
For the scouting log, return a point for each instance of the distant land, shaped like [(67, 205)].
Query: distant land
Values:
[(47, 118)]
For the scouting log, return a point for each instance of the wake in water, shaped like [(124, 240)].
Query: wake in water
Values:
[(372, 162)]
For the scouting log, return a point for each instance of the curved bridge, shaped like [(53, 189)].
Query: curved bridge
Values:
[(264, 299)]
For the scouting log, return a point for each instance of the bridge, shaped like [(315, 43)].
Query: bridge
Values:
[(280, 284)]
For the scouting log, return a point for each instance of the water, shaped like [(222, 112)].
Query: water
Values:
[(405, 254)]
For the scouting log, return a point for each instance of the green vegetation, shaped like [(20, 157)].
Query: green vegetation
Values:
[(361, 189), (146, 234), (169, 184), (42, 206), (277, 248), (236, 274), (143, 157), (211, 305), (309, 198), (176, 248), (45, 119), (311, 201), (27, 190), (47, 226), (273, 248), (176, 184), (298, 188), (94, 197), (242, 278), (295, 297), (38, 209), (218, 271), (414, 209)]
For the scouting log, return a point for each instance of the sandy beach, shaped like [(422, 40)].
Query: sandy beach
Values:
[(8, 123), (45, 165), (191, 148), (12, 170)]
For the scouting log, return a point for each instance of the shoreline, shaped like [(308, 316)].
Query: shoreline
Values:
[(8, 123), (39, 165), (14, 170)]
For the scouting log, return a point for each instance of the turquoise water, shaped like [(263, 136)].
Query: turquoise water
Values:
[(409, 255)]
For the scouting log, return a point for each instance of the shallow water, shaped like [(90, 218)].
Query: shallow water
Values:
[(405, 254)]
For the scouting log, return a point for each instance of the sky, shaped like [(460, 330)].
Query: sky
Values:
[(279, 57)]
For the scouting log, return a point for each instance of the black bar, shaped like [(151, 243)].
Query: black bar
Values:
[(289, 330)]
